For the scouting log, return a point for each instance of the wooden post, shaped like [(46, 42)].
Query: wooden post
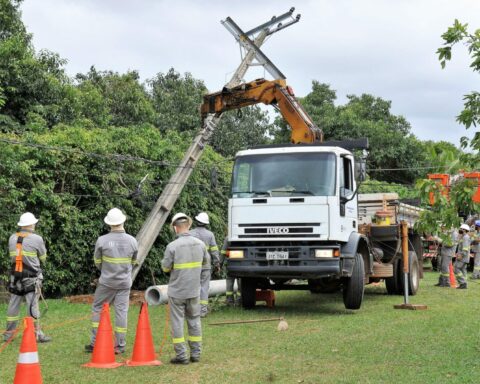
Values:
[(404, 239)]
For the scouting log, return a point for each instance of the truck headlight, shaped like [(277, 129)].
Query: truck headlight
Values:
[(324, 253), (235, 254)]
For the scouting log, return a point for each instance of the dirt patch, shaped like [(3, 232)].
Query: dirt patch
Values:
[(136, 298)]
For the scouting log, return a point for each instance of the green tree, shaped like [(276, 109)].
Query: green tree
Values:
[(123, 96), (176, 100), (242, 130), (470, 115)]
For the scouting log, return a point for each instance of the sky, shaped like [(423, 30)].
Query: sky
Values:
[(382, 47)]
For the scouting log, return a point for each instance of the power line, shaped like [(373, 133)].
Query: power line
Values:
[(112, 156)]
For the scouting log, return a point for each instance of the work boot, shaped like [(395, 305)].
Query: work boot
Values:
[(230, 301), (176, 360), (89, 348), (119, 350), (238, 301), (462, 286), (43, 338), (194, 359), (7, 337)]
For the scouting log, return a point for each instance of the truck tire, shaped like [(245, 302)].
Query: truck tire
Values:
[(353, 286), (248, 288), (413, 275), (392, 283)]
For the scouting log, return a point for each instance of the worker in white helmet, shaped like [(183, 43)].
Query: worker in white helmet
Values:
[(476, 250), (202, 233), (183, 260), (27, 254), (463, 257), (115, 254)]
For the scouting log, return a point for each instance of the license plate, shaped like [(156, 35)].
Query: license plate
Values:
[(278, 255)]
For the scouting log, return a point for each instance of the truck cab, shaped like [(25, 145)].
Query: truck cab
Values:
[(293, 214)]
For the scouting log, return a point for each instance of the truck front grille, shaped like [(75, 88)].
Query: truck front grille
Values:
[(287, 230)]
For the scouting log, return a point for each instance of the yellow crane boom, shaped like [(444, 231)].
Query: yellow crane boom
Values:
[(269, 92)]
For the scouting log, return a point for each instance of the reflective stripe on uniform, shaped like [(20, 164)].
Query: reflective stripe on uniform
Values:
[(95, 324), (214, 248), (476, 268), (24, 253), (97, 261), (28, 358), (466, 249), (166, 270), (195, 338), (203, 301), (446, 274), (178, 340), (13, 318), (196, 264), (229, 293), (117, 260), (223, 252), (120, 330), (43, 257), (459, 274)]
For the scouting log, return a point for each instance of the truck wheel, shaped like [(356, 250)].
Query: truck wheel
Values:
[(249, 288), (354, 285), (392, 283), (413, 275)]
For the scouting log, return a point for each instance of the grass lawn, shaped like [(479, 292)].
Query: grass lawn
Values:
[(324, 343)]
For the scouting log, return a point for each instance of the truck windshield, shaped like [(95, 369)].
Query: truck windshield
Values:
[(286, 174)]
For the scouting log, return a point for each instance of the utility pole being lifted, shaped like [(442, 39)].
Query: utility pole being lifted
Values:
[(251, 51)]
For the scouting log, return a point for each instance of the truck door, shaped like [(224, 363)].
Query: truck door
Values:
[(348, 205)]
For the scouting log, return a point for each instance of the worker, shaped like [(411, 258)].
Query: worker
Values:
[(231, 299), (202, 233), (27, 254), (114, 255), (446, 253), (183, 260), (476, 250), (463, 257)]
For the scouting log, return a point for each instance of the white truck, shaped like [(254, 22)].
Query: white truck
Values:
[(294, 214)]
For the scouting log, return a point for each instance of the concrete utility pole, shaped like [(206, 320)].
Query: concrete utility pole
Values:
[(162, 208)]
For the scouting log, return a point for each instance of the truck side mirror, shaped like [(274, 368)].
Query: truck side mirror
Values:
[(360, 169)]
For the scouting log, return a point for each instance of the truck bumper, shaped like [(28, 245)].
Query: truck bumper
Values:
[(312, 270)]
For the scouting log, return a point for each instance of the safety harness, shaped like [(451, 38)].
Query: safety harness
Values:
[(20, 270)]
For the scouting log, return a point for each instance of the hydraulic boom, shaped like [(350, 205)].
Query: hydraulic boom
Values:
[(274, 92)]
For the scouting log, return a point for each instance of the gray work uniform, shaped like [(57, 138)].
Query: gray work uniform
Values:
[(183, 259), (230, 280), (476, 250), (115, 253), (209, 240), (447, 252), (460, 267), (33, 252)]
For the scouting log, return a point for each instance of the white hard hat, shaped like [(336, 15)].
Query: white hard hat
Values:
[(202, 217), (115, 217), (27, 219), (180, 216), (465, 227)]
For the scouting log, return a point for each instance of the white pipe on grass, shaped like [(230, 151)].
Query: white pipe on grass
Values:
[(158, 294)]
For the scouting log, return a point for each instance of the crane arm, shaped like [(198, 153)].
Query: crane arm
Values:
[(268, 92)]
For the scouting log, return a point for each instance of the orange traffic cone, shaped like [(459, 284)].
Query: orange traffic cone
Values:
[(453, 281), (28, 366), (103, 355), (143, 350)]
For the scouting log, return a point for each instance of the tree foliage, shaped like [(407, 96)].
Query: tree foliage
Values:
[(470, 115)]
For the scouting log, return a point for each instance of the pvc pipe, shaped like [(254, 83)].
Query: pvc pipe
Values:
[(158, 294)]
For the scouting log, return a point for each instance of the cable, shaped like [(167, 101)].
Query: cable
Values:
[(115, 156)]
